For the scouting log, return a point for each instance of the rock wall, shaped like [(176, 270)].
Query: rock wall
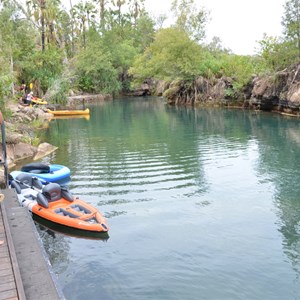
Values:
[(81, 99), (201, 90), (279, 92)]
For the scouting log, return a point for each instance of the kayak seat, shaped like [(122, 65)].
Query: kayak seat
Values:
[(65, 213), (66, 194), (81, 209), (27, 181), (52, 191)]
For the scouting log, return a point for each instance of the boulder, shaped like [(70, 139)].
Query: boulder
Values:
[(21, 151), (43, 150)]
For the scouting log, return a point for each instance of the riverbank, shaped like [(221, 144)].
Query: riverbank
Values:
[(278, 92), (21, 128), (24, 122)]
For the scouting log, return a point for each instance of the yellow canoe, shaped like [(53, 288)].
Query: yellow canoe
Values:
[(40, 101), (68, 112)]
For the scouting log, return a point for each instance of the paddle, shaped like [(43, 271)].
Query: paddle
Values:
[(15, 183)]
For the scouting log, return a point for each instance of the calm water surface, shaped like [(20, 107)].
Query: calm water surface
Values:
[(202, 203)]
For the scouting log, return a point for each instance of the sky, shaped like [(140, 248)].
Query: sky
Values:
[(238, 23)]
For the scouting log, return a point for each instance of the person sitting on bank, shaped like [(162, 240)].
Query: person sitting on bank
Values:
[(28, 98)]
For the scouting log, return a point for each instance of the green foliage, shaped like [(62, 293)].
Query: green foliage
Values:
[(190, 19), (277, 54), (121, 51), (143, 32), (43, 66), (291, 22), (94, 70), (109, 39), (172, 55), (6, 82), (240, 68), (58, 91)]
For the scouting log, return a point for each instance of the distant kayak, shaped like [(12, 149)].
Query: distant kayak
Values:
[(47, 173), (56, 204), (36, 100), (68, 112)]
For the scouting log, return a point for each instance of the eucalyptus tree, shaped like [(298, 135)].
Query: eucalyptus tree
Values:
[(190, 18), (291, 22)]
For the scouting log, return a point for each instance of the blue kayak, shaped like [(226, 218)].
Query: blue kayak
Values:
[(47, 173)]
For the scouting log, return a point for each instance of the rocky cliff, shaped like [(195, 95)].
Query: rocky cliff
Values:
[(277, 92)]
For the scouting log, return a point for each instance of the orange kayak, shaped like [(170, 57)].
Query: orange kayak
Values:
[(76, 214), (57, 205)]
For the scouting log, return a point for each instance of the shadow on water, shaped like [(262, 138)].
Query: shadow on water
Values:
[(51, 228)]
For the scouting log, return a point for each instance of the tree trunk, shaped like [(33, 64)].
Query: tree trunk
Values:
[(42, 2), (102, 12), (11, 72)]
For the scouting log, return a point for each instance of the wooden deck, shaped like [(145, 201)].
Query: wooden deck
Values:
[(11, 286), (25, 272)]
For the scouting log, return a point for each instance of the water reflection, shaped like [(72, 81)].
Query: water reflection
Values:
[(279, 158), (192, 195)]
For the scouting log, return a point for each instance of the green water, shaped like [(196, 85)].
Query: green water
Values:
[(201, 203)]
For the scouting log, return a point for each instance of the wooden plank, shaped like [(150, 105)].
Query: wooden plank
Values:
[(9, 295), (3, 251), (6, 279), (6, 272), (33, 264), (10, 285), (5, 260), (20, 294)]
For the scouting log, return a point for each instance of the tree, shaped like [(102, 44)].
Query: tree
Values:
[(190, 19), (276, 53), (44, 13), (172, 55), (102, 12), (16, 42), (84, 12), (291, 22), (136, 8), (42, 67), (143, 32), (94, 69)]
